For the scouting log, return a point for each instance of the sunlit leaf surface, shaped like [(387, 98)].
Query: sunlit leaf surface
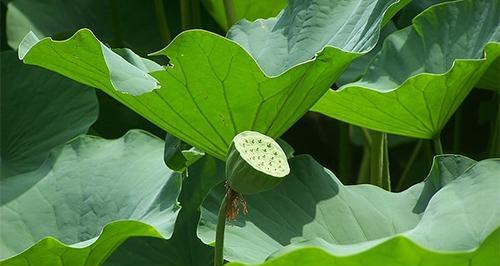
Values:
[(453, 210), (217, 87), (423, 72)]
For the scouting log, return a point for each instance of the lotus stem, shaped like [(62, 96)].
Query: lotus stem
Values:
[(219, 233), (162, 22), (438, 147), (190, 14), (410, 163), (379, 160), (185, 14), (364, 169), (386, 177), (457, 130), (494, 142), (230, 15), (345, 151), (196, 13)]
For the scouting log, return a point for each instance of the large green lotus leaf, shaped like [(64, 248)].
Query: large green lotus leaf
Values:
[(491, 78), (126, 23), (40, 110), (184, 247), (244, 9), (358, 67), (423, 72), (413, 9), (89, 196), (216, 89), (408, 253), (87, 60), (453, 210), (306, 27)]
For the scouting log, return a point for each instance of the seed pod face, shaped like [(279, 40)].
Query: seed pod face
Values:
[(255, 163)]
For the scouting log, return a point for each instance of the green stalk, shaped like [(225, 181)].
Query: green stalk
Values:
[(230, 14), (364, 169), (367, 136), (162, 22), (196, 13), (190, 14), (386, 177), (344, 150), (494, 142), (379, 166), (457, 130), (363, 173), (186, 14), (408, 166), (438, 147), (495, 139), (219, 233)]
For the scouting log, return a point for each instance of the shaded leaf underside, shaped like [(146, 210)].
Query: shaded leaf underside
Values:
[(59, 110), (87, 198)]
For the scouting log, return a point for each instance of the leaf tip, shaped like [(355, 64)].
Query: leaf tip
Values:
[(26, 44)]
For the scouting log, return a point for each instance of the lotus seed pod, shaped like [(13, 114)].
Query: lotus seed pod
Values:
[(255, 163)]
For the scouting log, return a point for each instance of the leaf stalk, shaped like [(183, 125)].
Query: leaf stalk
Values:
[(230, 13), (409, 165), (190, 14), (162, 22), (219, 233), (345, 151), (438, 147), (379, 160)]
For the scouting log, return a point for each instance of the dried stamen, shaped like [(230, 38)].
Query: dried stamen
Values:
[(233, 205)]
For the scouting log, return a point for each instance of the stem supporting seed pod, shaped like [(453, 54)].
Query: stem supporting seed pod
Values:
[(255, 163)]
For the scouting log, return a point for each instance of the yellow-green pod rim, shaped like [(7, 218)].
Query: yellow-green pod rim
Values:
[(255, 163), (263, 153)]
